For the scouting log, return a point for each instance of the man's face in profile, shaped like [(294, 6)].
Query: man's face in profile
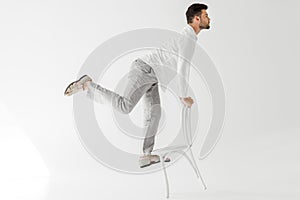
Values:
[(204, 20)]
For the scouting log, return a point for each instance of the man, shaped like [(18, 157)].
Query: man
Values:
[(145, 74)]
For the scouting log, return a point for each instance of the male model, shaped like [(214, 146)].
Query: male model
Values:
[(145, 74)]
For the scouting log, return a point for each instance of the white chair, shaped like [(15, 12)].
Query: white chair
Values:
[(181, 149)]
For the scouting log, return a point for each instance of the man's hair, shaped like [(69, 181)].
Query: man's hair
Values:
[(194, 10)]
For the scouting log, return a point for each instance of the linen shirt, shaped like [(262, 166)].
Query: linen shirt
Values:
[(172, 60)]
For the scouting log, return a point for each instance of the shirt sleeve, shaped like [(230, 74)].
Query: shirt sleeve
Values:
[(186, 50)]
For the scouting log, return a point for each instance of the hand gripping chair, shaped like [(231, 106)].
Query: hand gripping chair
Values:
[(181, 149)]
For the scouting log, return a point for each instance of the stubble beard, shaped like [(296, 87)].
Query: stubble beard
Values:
[(204, 27)]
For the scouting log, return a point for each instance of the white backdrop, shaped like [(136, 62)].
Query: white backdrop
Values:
[(254, 45)]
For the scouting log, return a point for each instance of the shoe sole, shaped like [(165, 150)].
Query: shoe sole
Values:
[(153, 162), (166, 160)]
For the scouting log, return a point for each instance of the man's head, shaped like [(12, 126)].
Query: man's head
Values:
[(197, 16)]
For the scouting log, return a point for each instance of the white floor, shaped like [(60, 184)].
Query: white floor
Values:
[(95, 189), (183, 185)]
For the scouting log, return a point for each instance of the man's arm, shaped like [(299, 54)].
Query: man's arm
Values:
[(186, 51), (183, 71)]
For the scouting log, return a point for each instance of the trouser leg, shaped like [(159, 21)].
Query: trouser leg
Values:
[(152, 109), (105, 96), (138, 83)]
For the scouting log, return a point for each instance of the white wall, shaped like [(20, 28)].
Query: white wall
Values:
[(253, 44)]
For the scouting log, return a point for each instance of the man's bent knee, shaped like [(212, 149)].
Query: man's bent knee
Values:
[(126, 106)]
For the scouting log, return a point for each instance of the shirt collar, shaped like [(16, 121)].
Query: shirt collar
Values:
[(189, 29)]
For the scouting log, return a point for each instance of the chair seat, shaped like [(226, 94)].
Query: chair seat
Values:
[(170, 149)]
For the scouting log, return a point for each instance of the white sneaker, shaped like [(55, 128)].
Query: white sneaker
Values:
[(77, 86), (147, 160)]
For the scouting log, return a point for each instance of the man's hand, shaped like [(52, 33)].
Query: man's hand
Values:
[(187, 101)]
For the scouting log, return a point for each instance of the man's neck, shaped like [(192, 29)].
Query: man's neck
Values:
[(196, 28)]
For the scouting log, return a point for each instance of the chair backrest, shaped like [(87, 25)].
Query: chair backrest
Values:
[(186, 122)]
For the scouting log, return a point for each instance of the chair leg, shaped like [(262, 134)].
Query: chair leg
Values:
[(190, 161), (194, 162), (162, 158), (202, 181), (196, 166)]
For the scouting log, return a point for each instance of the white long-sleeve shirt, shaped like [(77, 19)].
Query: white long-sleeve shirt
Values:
[(172, 59)]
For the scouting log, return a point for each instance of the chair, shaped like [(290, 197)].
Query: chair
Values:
[(181, 149)]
